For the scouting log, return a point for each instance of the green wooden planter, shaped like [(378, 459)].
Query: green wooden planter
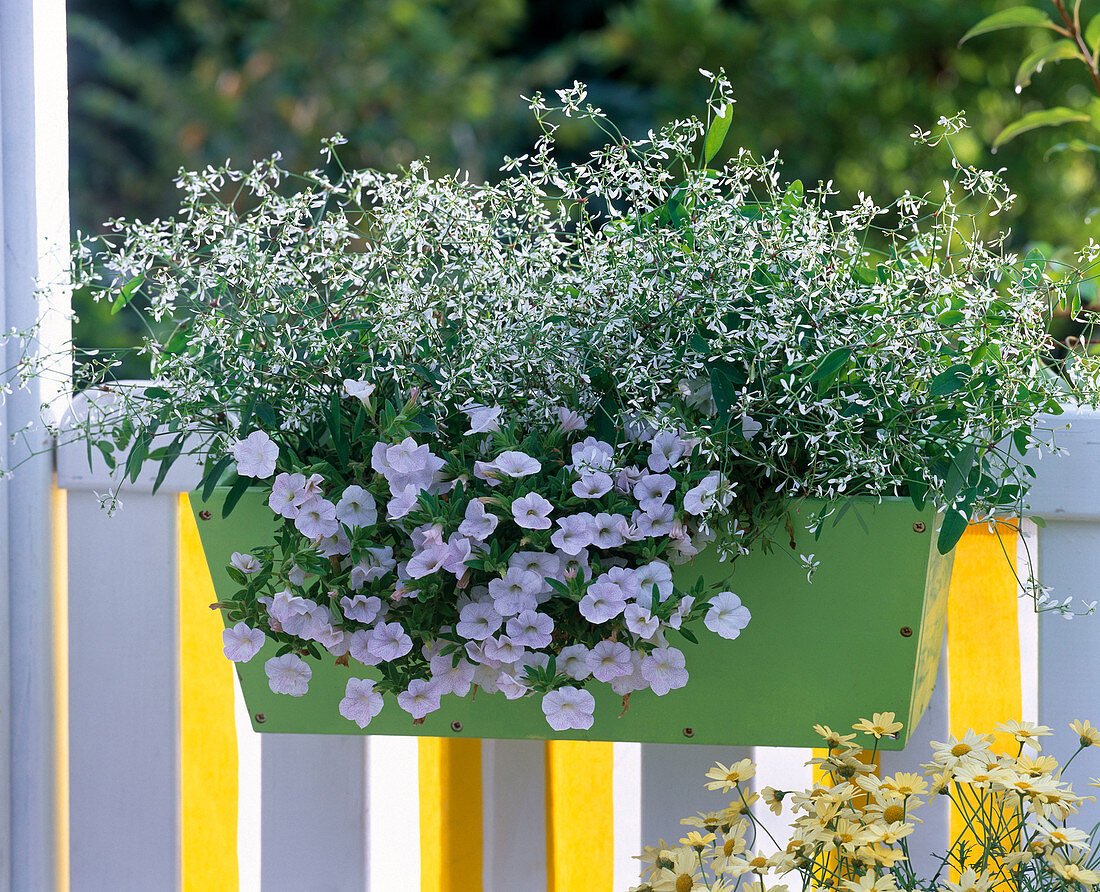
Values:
[(864, 637)]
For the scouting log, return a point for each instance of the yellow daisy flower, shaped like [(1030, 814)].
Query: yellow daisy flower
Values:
[(969, 881), (681, 874), (697, 840), (726, 777), (870, 883), (1088, 735), (1071, 870), (834, 739), (882, 724), (1027, 733), (773, 799)]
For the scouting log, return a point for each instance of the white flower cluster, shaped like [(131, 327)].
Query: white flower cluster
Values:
[(509, 571)]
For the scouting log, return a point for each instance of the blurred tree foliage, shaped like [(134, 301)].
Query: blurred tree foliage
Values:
[(835, 85)]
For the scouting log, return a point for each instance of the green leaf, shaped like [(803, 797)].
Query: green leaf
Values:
[(793, 196), (234, 495), (950, 317), (954, 378), (1047, 117), (716, 135), (171, 453), (832, 363), (954, 525), (1052, 52), (126, 293), (726, 381), (1092, 32), (1016, 17), (214, 475)]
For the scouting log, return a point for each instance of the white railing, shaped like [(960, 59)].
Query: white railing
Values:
[(332, 810)]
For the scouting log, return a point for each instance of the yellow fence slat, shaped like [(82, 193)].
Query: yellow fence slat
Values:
[(983, 645), (580, 819), (208, 737), (450, 815), (60, 563)]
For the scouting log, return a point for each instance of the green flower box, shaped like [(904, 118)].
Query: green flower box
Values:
[(864, 637)]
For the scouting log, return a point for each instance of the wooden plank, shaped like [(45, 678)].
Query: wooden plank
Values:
[(314, 814), (123, 727), (513, 808)]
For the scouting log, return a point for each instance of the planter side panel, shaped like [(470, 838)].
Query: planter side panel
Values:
[(831, 651)]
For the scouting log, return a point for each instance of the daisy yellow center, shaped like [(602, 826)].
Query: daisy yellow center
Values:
[(733, 777), (759, 862), (960, 749), (893, 813), (728, 848), (685, 882)]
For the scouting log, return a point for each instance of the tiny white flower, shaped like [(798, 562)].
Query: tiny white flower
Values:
[(256, 455), (361, 701), (727, 615), (569, 708), (288, 674), (242, 643)]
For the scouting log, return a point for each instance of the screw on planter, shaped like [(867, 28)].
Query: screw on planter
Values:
[(919, 527), (456, 726), (205, 515), (260, 718), (689, 732), (906, 632)]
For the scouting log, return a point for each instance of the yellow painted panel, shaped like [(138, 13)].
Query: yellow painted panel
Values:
[(60, 597), (580, 819), (983, 644), (208, 736), (450, 815)]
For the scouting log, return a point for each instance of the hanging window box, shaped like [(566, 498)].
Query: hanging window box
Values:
[(878, 597)]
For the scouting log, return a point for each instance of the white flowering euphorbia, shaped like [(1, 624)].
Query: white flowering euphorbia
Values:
[(490, 416)]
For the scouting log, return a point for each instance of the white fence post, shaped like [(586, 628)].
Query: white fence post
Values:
[(123, 679), (34, 235)]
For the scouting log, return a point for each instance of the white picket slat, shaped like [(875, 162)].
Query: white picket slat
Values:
[(123, 702), (313, 813), (513, 809)]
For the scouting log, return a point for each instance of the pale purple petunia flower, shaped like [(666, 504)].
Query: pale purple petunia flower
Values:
[(478, 523), (655, 573), (357, 508), (712, 492), (288, 674), (592, 485), (256, 455), (361, 701), (569, 708), (287, 494), (570, 421), (242, 643), (656, 522), (531, 629), (449, 677), (608, 660), (653, 490), (477, 621), (663, 669), (592, 455), (246, 563), (640, 621), (532, 512), (361, 608), (666, 450), (483, 419), (607, 530), (513, 463), (389, 641), (421, 698), (517, 591), (603, 601), (574, 533), (317, 518), (727, 615), (573, 662)]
